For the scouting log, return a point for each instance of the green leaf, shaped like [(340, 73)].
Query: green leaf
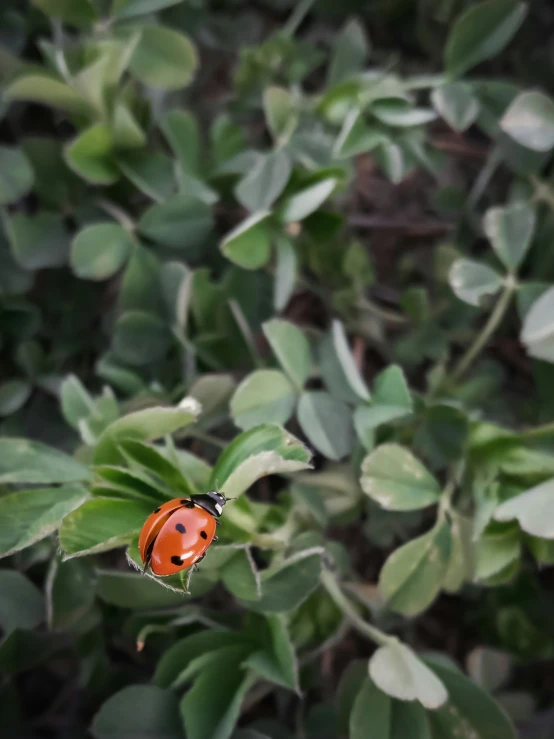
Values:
[(180, 222), (141, 285), (144, 425), (133, 590), (30, 515), (472, 281), (327, 422), (391, 401), (248, 244), (398, 672), (350, 53), (285, 272), (280, 113), (263, 184), (140, 338), (393, 477), (70, 592), (263, 396), (400, 114), (90, 155), (461, 567), (291, 348), (510, 231), (213, 714), (413, 574), (469, 709), (299, 205), (481, 32), (183, 134), (532, 509), (240, 576), (287, 584), (23, 461), (530, 121), (100, 250), (101, 524), (16, 175), (151, 172), (133, 8), (538, 328), (277, 661), (13, 396), (442, 434), (351, 681), (164, 58), (21, 602), (38, 241), (349, 367), (153, 461), (455, 102), (371, 713), (55, 184), (173, 669), (139, 710), (39, 88), (261, 451), (357, 137), (489, 668), (80, 13), (127, 133)]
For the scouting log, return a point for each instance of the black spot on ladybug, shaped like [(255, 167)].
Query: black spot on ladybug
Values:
[(180, 528), (176, 561), (157, 510), (203, 534), (185, 501)]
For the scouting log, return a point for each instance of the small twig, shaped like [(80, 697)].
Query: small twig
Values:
[(413, 228), (206, 438), (459, 145), (489, 328)]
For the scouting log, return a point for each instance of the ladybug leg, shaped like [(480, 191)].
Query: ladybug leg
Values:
[(217, 522), (187, 581), (195, 565), (148, 557)]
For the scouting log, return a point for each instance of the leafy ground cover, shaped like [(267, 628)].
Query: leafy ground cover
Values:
[(303, 253)]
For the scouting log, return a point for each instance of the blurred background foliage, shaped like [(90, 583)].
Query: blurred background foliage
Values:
[(233, 233)]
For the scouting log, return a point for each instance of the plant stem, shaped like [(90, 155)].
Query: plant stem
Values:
[(206, 438), (123, 218), (543, 191), (488, 330), (539, 432), (331, 585), (297, 16)]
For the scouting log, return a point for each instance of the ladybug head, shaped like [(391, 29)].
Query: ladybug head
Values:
[(219, 500)]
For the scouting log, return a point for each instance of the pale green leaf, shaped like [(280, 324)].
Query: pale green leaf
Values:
[(510, 231), (398, 672), (265, 396), (481, 32), (291, 348), (30, 515), (472, 281), (393, 477), (413, 575), (327, 422), (532, 509)]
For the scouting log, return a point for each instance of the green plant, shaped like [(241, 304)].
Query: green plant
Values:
[(185, 273)]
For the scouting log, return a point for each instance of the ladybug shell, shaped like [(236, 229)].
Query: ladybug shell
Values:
[(175, 536)]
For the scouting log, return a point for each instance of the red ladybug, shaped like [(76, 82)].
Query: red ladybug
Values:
[(178, 533)]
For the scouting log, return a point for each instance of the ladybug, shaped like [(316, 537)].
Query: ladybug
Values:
[(178, 533)]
